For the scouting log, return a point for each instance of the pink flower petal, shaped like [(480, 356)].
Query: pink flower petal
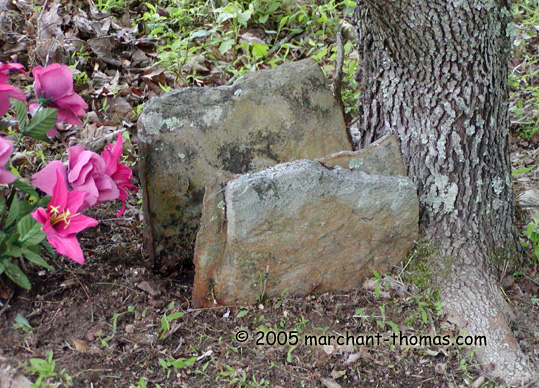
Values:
[(112, 155), (68, 246), (93, 193), (6, 67), (79, 223), (7, 92), (108, 190), (6, 176), (53, 82), (45, 179), (59, 194), (6, 148), (75, 102), (75, 199), (40, 215)]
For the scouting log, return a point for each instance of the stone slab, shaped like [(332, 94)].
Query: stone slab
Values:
[(264, 118), (382, 157), (300, 226)]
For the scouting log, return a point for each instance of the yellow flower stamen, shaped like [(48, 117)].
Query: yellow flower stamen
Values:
[(65, 216)]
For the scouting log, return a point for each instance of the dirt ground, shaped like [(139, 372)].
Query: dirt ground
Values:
[(103, 323)]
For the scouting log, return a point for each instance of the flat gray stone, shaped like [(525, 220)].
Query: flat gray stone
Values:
[(265, 118), (382, 157), (300, 226)]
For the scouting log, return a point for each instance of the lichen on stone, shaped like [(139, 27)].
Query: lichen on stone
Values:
[(355, 163)]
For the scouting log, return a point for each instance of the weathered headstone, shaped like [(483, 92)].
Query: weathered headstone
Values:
[(265, 118), (300, 226)]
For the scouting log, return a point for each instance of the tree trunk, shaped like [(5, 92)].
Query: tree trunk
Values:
[(435, 73)]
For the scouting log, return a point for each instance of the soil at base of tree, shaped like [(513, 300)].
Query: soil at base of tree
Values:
[(72, 312)]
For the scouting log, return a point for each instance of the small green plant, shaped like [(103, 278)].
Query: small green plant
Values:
[(301, 324), (242, 312), (378, 279), (47, 377), (108, 5), (171, 363), (22, 323), (105, 341), (281, 299), (142, 384), (532, 234), (167, 319)]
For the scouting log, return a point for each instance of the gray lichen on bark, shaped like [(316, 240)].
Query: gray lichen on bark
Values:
[(435, 73)]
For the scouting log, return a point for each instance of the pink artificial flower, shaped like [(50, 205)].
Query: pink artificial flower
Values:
[(121, 174), (86, 172), (6, 67), (6, 147), (61, 221), (54, 83), (7, 92)]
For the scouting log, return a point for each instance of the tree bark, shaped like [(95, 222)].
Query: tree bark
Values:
[(435, 73)]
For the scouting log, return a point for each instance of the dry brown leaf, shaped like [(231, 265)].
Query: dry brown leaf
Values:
[(369, 284), (478, 382), (119, 109), (50, 23), (129, 329), (329, 383), (251, 38), (80, 345), (353, 358), (93, 333), (329, 349), (145, 286), (337, 374), (440, 368)]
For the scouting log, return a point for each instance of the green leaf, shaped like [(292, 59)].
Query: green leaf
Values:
[(199, 34), (49, 248), (22, 321), (226, 45), (21, 111), (14, 211), (530, 228), (283, 21), (25, 188), (18, 277), (44, 202), (244, 17), (183, 362), (30, 231), (321, 54), (175, 315), (522, 170), (260, 50), (12, 248), (3, 264), (41, 123), (2, 205), (35, 258)]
